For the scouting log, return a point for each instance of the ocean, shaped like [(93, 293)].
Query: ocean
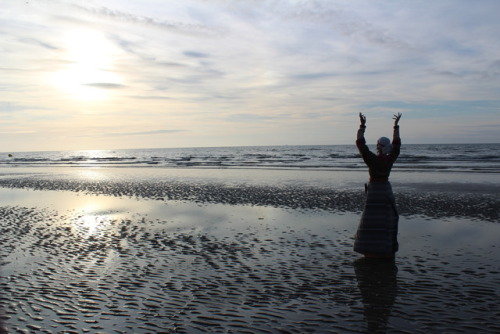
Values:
[(478, 158)]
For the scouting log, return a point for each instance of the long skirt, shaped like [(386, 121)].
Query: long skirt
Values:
[(378, 228)]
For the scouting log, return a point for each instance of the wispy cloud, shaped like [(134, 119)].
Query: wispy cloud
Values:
[(254, 118), (337, 18), (304, 69), (144, 133), (171, 25), (195, 54), (105, 85), (41, 43)]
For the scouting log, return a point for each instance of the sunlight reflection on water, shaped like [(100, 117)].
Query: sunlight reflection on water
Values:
[(92, 223), (93, 174), (94, 215)]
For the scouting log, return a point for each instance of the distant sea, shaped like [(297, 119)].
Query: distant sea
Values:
[(483, 158)]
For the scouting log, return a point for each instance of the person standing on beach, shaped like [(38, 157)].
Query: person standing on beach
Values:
[(378, 228)]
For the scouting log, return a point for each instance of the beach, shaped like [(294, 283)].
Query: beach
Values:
[(138, 250)]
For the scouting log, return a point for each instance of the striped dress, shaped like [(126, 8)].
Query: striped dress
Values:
[(378, 227)]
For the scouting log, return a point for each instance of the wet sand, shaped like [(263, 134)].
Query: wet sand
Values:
[(101, 255)]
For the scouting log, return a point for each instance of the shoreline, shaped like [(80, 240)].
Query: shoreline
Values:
[(434, 196)]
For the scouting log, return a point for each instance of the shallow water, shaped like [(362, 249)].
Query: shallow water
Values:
[(290, 177), (431, 194), (74, 262)]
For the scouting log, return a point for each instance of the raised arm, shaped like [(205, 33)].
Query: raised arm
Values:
[(361, 141), (362, 127), (396, 126), (396, 140)]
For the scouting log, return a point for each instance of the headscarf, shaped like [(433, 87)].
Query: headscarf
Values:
[(385, 145)]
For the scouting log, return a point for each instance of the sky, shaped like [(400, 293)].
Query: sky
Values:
[(113, 74)]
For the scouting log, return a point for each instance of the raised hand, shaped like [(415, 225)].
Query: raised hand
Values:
[(362, 119), (396, 118)]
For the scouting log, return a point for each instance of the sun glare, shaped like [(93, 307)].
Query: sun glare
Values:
[(93, 220), (89, 68)]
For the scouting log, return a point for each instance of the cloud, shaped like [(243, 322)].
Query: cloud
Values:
[(144, 133), (253, 118), (195, 54), (201, 65), (8, 107), (140, 50), (346, 22), (432, 110), (20, 132), (105, 85), (313, 76), (171, 25), (150, 97), (41, 43)]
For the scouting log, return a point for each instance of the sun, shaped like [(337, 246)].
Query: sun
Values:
[(89, 70)]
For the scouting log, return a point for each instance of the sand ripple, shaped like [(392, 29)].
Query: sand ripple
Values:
[(137, 276)]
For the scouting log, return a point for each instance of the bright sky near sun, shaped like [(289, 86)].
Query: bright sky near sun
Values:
[(104, 74)]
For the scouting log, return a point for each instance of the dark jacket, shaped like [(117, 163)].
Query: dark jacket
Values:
[(379, 165)]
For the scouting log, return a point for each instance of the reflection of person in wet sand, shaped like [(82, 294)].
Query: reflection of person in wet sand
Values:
[(378, 228), (377, 282)]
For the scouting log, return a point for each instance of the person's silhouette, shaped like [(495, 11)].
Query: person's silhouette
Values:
[(378, 228)]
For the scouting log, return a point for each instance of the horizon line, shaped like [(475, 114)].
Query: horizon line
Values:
[(229, 146)]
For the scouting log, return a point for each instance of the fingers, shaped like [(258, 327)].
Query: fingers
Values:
[(362, 118), (397, 117)]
